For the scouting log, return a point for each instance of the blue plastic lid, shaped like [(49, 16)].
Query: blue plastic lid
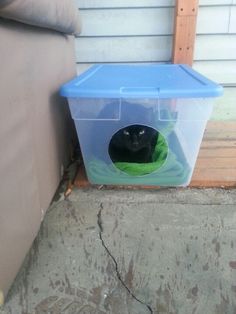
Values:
[(137, 81)]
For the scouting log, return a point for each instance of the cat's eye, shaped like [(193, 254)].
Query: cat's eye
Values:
[(141, 132), (126, 132)]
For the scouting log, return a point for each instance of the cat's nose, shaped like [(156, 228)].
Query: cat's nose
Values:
[(135, 140)]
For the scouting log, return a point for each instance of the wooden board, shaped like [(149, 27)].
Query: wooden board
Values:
[(184, 31), (216, 163)]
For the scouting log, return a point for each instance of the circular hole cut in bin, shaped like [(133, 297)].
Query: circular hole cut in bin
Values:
[(138, 150)]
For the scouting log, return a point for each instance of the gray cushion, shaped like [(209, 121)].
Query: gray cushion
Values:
[(60, 15)]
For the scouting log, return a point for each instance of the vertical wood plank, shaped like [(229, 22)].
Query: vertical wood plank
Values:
[(184, 31), (186, 8)]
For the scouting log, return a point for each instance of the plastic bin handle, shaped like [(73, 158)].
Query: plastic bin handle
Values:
[(136, 92)]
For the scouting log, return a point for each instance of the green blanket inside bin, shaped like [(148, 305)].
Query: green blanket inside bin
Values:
[(170, 171), (140, 169)]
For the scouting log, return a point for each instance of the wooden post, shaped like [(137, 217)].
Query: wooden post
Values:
[(185, 31)]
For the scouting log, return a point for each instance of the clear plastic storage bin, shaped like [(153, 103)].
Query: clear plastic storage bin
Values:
[(140, 124)]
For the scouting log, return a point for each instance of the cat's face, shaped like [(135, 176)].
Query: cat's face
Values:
[(135, 137)]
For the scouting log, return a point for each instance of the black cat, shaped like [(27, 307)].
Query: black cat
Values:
[(135, 144)]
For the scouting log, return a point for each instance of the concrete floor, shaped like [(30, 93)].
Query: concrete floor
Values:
[(137, 252)]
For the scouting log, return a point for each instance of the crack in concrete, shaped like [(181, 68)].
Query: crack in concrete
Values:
[(99, 222)]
